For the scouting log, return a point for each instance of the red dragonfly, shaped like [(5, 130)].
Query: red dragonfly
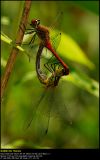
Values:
[(44, 35)]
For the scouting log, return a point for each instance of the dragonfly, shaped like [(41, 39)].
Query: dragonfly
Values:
[(50, 82), (43, 34), (56, 69)]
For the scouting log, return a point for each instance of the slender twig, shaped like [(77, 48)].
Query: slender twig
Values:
[(14, 51)]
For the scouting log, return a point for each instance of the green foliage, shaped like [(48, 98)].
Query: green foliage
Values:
[(84, 82), (68, 48), (92, 6), (6, 39)]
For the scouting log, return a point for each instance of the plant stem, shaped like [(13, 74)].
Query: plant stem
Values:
[(14, 51)]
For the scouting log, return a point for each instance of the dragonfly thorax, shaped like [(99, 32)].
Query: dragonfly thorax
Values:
[(60, 72), (41, 31), (43, 34)]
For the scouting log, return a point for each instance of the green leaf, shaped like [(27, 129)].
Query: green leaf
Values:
[(6, 39), (68, 48), (83, 81), (3, 62)]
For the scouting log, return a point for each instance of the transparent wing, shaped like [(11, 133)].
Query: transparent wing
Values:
[(44, 112), (63, 106), (48, 62), (55, 35), (55, 39), (51, 108), (30, 45), (50, 105), (39, 117), (57, 22), (34, 115)]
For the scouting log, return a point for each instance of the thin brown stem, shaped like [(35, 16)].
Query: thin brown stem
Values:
[(14, 51)]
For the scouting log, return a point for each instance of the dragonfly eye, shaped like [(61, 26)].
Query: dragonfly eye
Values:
[(64, 71), (35, 22), (38, 22)]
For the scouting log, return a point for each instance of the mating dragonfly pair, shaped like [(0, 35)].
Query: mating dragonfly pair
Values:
[(57, 69)]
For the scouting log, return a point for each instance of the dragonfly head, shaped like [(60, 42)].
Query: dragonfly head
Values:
[(65, 71), (35, 22)]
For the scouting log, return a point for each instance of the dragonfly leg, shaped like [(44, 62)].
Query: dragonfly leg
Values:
[(32, 40), (48, 67), (29, 31), (53, 65), (48, 64)]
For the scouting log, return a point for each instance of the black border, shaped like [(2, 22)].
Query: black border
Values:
[(62, 154)]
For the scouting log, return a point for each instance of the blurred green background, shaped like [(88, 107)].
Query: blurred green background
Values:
[(74, 103)]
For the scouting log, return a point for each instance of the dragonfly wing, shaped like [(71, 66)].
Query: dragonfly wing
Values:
[(63, 108), (55, 37), (44, 113), (33, 112), (57, 22), (30, 45)]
